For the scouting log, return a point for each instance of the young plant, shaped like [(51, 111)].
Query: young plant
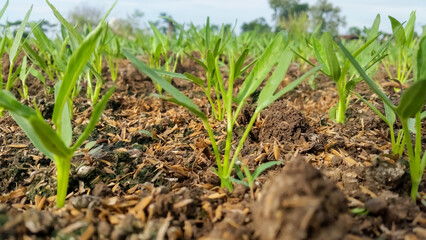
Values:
[(162, 56), (276, 55), (339, 69), (410, 106), (402, 51), (112, 56), (211, 47), (55, 143), (15, 49)]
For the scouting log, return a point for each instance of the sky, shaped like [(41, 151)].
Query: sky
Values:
[(358, 13)]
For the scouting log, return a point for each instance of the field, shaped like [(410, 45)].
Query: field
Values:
[(203, 134)]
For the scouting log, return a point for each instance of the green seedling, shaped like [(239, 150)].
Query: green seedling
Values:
[(159, 51), (55, 143), (94, 68), (339, 69), (211, 47), (276, 55), (402, 51), (410, 106), (112, 57), (15, 49)]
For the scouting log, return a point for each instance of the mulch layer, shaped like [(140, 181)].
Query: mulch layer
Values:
[(149, 175)]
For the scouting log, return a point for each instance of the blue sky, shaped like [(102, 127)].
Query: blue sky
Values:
[(358, 13)]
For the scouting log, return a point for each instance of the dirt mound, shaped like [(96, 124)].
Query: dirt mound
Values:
[(300, 204), (283, 123)]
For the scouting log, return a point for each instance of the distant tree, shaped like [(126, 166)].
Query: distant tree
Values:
[(354, 31), (328, 16), (259, 25), (291, 15), (165, 25), (283, 9), (129, 26), (85, 15)]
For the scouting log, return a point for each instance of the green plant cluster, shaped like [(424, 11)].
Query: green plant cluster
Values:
[(234, 68), (67, 67)]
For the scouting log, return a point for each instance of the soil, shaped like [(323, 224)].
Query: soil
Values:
[(149, 175)]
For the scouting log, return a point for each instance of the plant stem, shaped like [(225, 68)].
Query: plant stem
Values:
[(214, 145), (95, 96), (341, 108), (9, 82), (63, 173), (393, 143), (241, 143), (414, 166)]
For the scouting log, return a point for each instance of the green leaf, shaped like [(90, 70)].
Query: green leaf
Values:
[(398, 31), (194, 79), (46, 142), (18, 36), (374, 30), (237, 181), (359, 211), (351, 84), (374, 108), (423, 115), (197, 60), (108, 12), (423, 162), (66, 127), (178, 97), (98, 76), (409, 29), (293, 84), (45, 43), (412, 100), (38, 75), (249, 177), (23, 73), (262, 67), (265, 96), (421, 60), (75, 35), (74, 68), (4, 8), (26, 126), (94, 119), (48, 138), (158, 35), (146, 132), (35, 57), (367, 79), (238, 171), (332, 113), (263, 167), (390, 115), (210, 62), (239, 63), (321, 56), (332, 61), (9, 102)]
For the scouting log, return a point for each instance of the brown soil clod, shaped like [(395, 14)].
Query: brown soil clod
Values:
[(300, 204)]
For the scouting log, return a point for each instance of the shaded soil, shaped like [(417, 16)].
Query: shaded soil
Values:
[(149, 174)]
